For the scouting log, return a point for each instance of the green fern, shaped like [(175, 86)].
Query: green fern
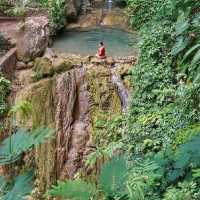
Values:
[(76, 190), (2, 185), (182, 24), (196, 173), (20, 142), (113, 176), (142, 177), (103, 153)]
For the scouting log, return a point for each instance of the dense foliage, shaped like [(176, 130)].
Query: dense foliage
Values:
[(4, 89), (56, 10), (20, 140), (57, 13), (160, 135)]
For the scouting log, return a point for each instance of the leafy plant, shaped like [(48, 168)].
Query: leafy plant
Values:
[(22, 141), (22, 186), (113, 177), (57, 13), (77, 190), (4, 89), (142, 179)]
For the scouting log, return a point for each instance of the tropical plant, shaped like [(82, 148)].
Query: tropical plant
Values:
[(142, 179), (21, 141), (77, 190), (112, 179), (19, 188)]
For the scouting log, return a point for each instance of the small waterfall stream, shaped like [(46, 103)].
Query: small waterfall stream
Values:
[(121, 90)]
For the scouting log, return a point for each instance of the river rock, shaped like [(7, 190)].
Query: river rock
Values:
[(33, 40), (20, 65)]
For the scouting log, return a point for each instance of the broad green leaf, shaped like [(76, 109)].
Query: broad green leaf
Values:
[(22, 187), (190, 51), (180, 45), (196, 58)]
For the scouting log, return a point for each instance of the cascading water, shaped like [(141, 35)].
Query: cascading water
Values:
[(121, 90)]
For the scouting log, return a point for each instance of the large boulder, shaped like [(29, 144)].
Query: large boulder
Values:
[(33, 40)]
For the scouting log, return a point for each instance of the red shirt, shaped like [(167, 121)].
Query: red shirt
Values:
[(102, 51)]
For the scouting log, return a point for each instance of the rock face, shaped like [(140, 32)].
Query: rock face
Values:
[(73, 9), (69, 102), (33, 40)]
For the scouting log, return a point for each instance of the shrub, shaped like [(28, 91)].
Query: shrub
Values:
[(57, 13)]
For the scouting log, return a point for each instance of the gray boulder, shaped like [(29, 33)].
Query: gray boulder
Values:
[(34, 37)]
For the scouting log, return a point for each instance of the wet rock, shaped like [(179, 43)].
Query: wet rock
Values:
[(70, 103), (45, 67), (42, 97), (126, 60), (20, 65), (33, 38)]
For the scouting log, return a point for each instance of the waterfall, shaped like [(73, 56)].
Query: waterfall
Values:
[(108, 4), (121, 90)]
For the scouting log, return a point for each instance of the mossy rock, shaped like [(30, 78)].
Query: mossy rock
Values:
[(42, 97), (61, 65), (104, 99), (44, 67)]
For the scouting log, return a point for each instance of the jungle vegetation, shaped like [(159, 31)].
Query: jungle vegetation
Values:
[(159, 136), (151, 152)]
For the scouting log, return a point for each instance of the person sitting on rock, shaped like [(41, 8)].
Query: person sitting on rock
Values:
[(101, 53)]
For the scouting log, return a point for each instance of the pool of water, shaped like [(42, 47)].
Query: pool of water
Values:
[(85, 42)]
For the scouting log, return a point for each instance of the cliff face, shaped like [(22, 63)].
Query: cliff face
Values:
[(68, 102)]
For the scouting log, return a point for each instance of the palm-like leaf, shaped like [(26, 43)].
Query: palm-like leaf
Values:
[(191, 50), (180, 45), (20, 142), (21, 188), (196, 58)]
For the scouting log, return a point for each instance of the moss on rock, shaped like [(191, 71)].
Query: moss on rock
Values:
[(103, 96), (41, 95), (44, 67)]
